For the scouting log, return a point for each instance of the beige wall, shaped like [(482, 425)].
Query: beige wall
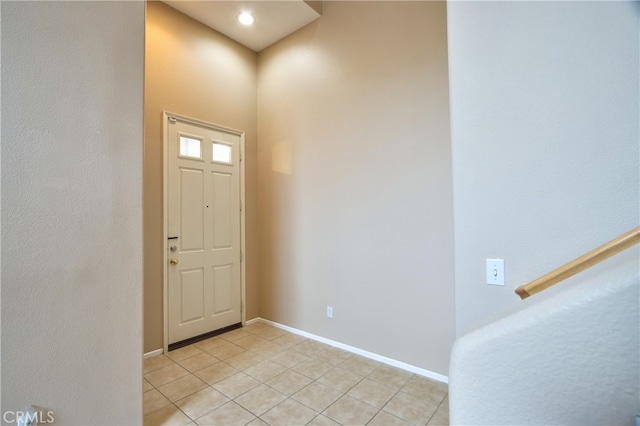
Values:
[(545, 143), (72, 110), (355, 195), (194, 71)]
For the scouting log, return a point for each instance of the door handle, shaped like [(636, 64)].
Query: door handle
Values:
[(173, 262)]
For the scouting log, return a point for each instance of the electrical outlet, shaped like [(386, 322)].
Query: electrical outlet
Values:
[(329, 312), (495, 271)]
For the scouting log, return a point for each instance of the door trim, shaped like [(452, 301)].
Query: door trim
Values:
[(165, 209)]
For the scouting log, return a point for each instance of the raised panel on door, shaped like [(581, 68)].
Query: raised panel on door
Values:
[(222, 210), (222, 289), (191, 295), (191, 213)]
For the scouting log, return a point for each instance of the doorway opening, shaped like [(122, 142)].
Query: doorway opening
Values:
[(204, 230)]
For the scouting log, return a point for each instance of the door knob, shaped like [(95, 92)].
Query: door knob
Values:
[(173, 261)]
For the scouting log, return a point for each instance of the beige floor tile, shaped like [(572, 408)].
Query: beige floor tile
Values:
[(288, 340), (390, 376), (169, 415), (182, 387), (372, 392), (445, 401), (289, 358), (165, 375), (275, 379), (272, 333), (350, 411), (184, 353), (360, 365), (257, 422), (153, 400), (312, 368), (322, 421), (234, 335), (289, 412), (200, 403), (310, 347), (333, 356), (267, 349), (386, 419), (155, 362), (426, 389), (236, 385), (414, 410), (289, 382), (225, 351), (249, 341), (229, 414), (260, 400), (210, 343), (244, 360), (317, 396), (440, 418), (215, 373), (198, 362), (256, 327), (265, 371), (340, 379)]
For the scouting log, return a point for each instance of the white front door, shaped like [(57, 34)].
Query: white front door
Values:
[(203, 229)]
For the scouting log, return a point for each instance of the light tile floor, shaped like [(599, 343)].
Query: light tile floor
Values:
[(262, 375)]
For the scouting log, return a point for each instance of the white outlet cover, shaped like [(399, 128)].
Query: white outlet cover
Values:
[(495, 272)]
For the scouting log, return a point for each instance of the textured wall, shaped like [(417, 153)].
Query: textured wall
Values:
[(194, 71), (572, 359), (354, 168), (72, 92), (544, 113)]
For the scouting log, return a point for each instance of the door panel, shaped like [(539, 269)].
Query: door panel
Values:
[(203, 207), (223, 288), (191, 214), (222, 211), (191, 295)]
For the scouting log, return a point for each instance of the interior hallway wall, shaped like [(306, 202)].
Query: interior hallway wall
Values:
[(195, 71), (544, 112), (72, 132), (355, 187)]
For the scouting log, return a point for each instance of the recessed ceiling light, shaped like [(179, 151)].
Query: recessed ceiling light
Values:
[(246, 18)]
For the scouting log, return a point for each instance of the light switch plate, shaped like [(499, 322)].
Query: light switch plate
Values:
[(495, 271)]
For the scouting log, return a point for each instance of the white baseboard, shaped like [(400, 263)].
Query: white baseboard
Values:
[(253, 321), (389, 361), (153, 353)]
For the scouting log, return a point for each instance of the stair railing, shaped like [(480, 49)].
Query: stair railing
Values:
[(581, 263)]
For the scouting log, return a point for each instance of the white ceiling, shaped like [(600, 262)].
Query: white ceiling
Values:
[(274, 19)]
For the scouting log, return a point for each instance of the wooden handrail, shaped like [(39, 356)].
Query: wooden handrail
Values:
[(581, 263)]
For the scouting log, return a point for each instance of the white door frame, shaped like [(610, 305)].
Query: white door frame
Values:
[(165, 204)]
